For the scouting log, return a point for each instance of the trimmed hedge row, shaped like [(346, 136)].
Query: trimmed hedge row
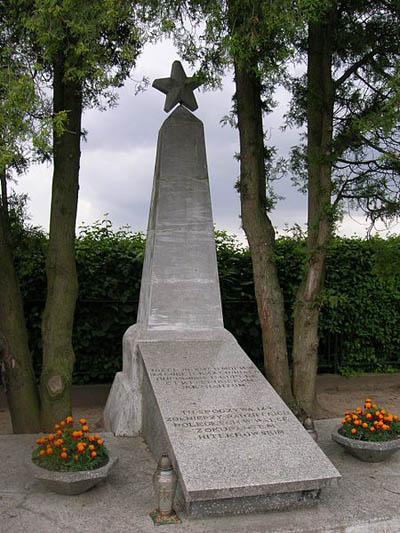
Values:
[(359, 327)]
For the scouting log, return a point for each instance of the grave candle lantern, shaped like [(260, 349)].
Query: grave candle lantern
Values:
[(165, 481)]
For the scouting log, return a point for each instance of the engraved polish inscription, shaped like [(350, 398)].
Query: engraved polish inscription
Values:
[(223, 377), (232, 422), (220, 422)]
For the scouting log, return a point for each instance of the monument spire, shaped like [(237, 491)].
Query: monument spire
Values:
[(178, 88)]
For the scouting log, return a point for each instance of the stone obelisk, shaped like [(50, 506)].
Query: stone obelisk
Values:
[(186, 385), (179, 295)]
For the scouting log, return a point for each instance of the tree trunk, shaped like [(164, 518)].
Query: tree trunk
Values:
[(259, 230), (320, 101), (62, 282), (15, 356)]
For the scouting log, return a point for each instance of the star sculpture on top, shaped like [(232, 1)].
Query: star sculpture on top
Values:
[(178, 88)]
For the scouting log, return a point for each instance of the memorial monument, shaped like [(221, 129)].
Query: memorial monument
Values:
[(186, 385)]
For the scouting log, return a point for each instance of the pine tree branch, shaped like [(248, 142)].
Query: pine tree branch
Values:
[(353, 69)]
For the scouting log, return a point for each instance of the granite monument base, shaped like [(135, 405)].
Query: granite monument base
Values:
[(237, 448)]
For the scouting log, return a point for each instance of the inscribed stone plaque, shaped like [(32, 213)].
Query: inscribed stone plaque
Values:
[(230, 434)]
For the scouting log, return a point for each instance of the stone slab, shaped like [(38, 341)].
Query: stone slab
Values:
[(233, 441)]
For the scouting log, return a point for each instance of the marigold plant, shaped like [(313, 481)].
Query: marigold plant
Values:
[(70, 449), (370, 424)]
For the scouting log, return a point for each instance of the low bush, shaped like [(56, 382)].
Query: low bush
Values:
[(359, 326)]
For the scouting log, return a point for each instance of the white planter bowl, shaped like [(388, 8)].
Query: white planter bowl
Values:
[(71, 483), (372, 452)]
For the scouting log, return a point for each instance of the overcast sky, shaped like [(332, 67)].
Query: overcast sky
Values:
[(118, 158)]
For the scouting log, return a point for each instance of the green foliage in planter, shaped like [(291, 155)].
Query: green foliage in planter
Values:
[(371, 424), (359, 325), (69, 450)]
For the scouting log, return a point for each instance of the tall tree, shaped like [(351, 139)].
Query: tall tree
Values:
[(253, 37), (350, 105), (23, 139), (259, 44), (86, 49)]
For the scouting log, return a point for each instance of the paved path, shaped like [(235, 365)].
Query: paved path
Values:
[(367, 500)]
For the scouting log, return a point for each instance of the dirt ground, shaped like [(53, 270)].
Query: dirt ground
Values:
[(335, 394)]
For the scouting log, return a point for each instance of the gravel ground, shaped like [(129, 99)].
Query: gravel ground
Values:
[(335, 394)]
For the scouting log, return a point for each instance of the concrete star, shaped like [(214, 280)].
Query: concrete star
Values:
[(178, 88)]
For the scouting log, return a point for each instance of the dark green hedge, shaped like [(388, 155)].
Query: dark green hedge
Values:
[(359, 328)]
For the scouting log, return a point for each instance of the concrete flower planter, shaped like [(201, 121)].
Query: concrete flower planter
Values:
[(71, 483), (372, 452)]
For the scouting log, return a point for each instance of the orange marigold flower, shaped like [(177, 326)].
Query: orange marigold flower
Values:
[(100, 442), (367, 405), (59, 433), (50, 437), (365, 425), (91, 438), (58, 442), (49, 451), (76, 457), (372, 429), (383, 411), (354, 431), (62, 423), (93, 454), (369, 416), (38, 441), (63, 455), (42, 452), (346, 413), (57, 427), (82, 420), (97, 436), (358, 410), (63, 449), (343, 422), (374, 406), (85, 428), (69, 420), (355, 417), (357, 422), (377, 413), (367, 400), (91, 447)]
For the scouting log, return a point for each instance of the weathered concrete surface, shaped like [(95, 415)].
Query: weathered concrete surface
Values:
[(235, 444), (367, 500)]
